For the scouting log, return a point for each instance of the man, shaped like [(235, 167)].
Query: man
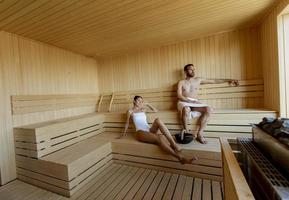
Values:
[(189, 106)]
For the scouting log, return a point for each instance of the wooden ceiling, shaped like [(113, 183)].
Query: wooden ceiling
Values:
[(111, 27)]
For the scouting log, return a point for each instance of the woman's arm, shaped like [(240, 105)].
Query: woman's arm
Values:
[(126, 124), (152, 108)]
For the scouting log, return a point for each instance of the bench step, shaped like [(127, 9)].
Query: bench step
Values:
[(65, 171), (38, 140)]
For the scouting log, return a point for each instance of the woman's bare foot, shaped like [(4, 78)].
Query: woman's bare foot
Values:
[(177, 149), (188, 161), (201, 139)]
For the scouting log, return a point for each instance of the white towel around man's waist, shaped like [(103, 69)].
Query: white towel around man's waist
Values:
[(193, 114)]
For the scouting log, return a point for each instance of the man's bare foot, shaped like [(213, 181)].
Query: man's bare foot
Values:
[(201, 139), (188, 161)]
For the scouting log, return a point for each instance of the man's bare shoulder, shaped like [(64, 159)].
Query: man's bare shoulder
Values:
[(181, 82)]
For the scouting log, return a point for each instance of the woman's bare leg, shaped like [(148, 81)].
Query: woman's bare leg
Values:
[(157, 139), (162, 141), (164, 144), (159, 125)]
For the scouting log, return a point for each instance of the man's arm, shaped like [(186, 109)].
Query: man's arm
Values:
[(231, 82)]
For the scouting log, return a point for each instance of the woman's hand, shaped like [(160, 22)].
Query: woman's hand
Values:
[(146, 104), (152, 108)]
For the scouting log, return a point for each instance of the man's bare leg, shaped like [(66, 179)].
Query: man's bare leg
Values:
[(202, 125), (185, 118), (203, 120)]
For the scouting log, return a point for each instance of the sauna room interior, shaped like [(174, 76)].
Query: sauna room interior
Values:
[(69, 70)]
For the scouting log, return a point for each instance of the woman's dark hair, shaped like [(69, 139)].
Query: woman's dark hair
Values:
[(136, 97), (186, 66)]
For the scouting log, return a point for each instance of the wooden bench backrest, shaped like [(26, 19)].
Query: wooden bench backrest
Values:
[(248, 95), (22, 104)]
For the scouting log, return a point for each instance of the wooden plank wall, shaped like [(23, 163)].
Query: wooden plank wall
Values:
[(27, 68), (235, 54), (269, 44)]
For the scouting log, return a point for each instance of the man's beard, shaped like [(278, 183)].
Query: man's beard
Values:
[(190, 75)]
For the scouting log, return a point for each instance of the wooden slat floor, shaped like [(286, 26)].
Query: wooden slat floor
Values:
[(125, 182)]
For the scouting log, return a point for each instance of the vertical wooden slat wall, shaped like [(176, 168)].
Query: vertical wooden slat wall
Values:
[(269, 43), (30, 67), (235, 54)]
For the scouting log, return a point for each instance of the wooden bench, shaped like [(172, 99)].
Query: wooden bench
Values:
[(38, 140), (235, 107), (62, 155), (223, 123), (56, 155), (129, 151), (65, 169)]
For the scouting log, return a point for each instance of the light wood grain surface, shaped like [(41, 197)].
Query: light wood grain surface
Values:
[(102, 28), (270, 62), (29, 68)]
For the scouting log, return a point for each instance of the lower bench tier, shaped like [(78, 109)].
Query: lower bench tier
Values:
[(68, 170)]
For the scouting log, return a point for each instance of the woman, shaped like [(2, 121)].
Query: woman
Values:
[(156, 134)]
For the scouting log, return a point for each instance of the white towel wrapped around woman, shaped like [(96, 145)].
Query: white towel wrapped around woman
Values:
[(193, 114)]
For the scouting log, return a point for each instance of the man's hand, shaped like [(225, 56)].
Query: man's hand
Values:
[(233, 83), (195, 102), (191, 100)]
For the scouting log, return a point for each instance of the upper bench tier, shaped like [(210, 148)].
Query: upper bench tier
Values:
[(38, 140)]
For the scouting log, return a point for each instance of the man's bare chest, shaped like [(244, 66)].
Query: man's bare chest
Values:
[(190, 87)]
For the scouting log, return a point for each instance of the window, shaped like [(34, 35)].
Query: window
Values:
[(283, 52)]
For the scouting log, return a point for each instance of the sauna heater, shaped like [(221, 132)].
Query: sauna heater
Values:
[(265, 163)]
